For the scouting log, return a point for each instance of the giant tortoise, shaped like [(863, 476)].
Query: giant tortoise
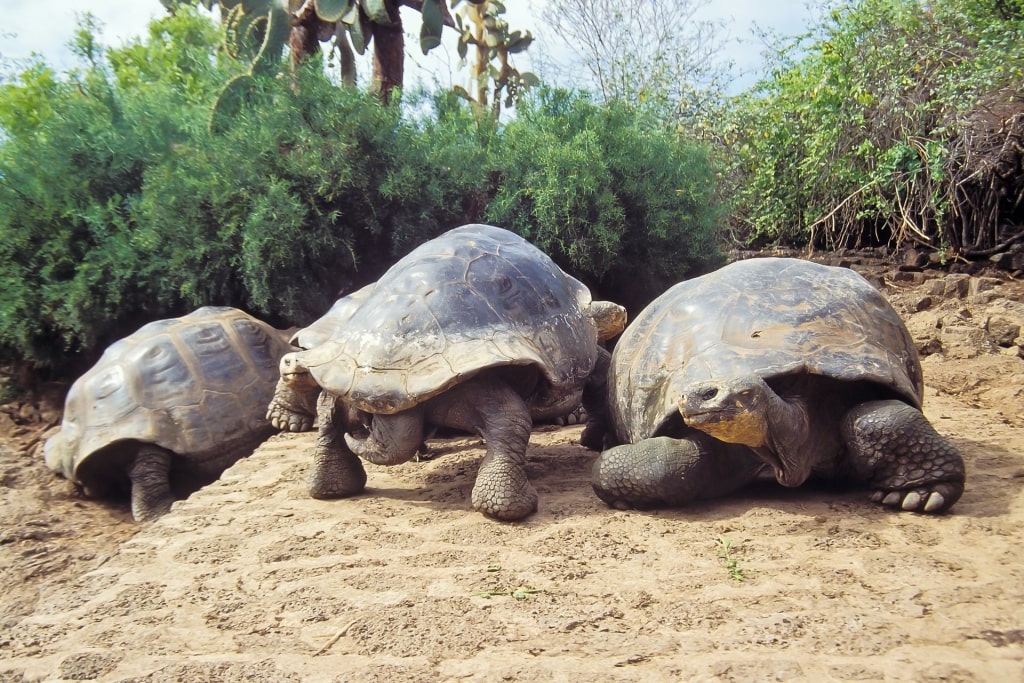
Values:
[(771, 365), (177, 401), (476, 330)]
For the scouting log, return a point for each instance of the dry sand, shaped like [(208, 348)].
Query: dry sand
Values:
[(250, 579)]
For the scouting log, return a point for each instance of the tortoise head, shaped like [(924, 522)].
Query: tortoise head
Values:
[(59, 451), (730, 410), (609, 317), (745, 410), (294, 371)]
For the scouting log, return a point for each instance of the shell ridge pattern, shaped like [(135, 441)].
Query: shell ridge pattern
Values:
[(644, 377), (476, 298), (229, 348), (208, 340), (537, 311), (132, 398), (151, 387), (763, 316)]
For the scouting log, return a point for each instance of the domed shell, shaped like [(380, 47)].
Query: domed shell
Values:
[(762, 316), (195, 385), (476, 297)]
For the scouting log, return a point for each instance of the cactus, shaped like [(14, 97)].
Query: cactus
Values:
[(486, 30), (256, 33), (257, 30)]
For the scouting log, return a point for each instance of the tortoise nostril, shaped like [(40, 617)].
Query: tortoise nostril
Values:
[(709, 393)]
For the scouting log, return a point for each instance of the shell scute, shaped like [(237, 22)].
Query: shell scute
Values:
[(766, 316), (158, 374), (474, 298), (194, 385)]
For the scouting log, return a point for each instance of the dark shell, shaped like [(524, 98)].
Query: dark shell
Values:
[(194, 385), (476, 297), (766, 317)]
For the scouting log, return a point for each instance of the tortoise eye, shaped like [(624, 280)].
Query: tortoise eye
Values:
[(709, 393)]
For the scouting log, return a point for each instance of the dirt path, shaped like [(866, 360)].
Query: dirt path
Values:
[(252, 580)]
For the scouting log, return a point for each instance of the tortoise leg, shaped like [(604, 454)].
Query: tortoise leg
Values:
[(292, 409), (337, 472), (500, 415), (595, 403), (910, 466), (662, 471), (151, 483)]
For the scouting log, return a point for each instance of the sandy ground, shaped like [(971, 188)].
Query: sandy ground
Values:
[(250, 579)]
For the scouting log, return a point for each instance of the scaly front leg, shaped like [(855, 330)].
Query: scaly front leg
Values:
[(337, 472), (910, 466), (663, 471), (491, 408)]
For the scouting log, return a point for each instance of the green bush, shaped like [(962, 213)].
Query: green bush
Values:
[(120, 203), (865, 131), (611, 194), (73, 155)]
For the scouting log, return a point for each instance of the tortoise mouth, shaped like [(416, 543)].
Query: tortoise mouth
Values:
[(297, 377), (728, 423), (698, 417)]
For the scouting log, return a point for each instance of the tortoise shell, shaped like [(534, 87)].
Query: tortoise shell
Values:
[(196, 385), (475, 298), (765, 316)]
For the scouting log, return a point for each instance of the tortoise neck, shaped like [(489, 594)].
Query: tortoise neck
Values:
[(788, 433)]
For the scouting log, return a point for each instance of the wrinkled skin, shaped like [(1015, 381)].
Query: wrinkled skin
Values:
[(151, 486), (772, 366), (482, 405), (738, 428)]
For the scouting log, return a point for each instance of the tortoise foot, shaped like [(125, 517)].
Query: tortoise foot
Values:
[(910, 466), (930, 500), (336, 475), (293, 408), (286, 419), (503, 492), (663, 471)]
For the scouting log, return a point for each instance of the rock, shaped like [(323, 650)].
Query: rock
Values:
[(914, 260), (982, 289), (7, 425), (982, 298), (963, 341), (920, 303), (1003, 331), (28, 414), (899, 275), (1008, 261), (1012, 351), (957, 285), (926, 347)]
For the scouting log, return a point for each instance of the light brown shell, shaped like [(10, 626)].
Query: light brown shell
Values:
[(765, 317), (195, 385), (477, 297)]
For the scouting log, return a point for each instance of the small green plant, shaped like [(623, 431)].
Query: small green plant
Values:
[(732, 565), (500, 588)]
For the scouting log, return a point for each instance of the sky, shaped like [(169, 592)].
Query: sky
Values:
[(46, 27)]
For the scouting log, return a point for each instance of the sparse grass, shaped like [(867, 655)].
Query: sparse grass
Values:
[(500, 588), (732, 565)]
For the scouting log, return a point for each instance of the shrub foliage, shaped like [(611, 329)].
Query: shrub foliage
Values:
[(895, 121), (120, 203)]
